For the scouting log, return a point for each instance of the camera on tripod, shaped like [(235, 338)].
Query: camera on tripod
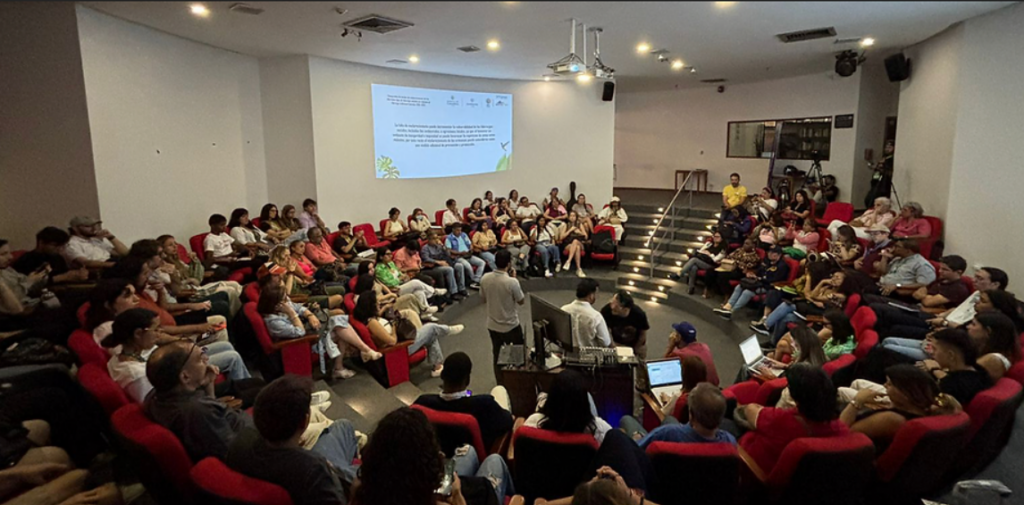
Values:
[(816, 156)]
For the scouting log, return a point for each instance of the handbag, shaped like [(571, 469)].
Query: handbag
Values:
[(727, 265), (750, 284), (404, 329), (29, 350)]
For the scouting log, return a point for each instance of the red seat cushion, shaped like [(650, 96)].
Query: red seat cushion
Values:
[(85, 348), (98, 383), (455, 429), (164, 464), (215, 478)]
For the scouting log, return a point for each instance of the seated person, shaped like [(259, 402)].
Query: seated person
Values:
[(477, 215), (288, 223), (906, 271), (708, 257), (706, 407), (515, 240), (21, 303), (407, 431), (221, 295), (798, 209), (501, 213), (544, 237), (804, 242), (572, 237), (283, 319), (348, 245), (527, 211), (398, 282), (955, 366), (108, 300), (735, 225), (844, 247), (585, 211), (435, 257), (247, 234), (606, 487), (615, 216), (771, 270), (911, 223), (219, 247), (50, 245), (555, 211), (985, 279), (451, 215), (568, 408), (311, 460), (804, 298), (880, 411), (491, 411), (733, 195), (733, 268), (552, 198), (196, 317), (881, 214), (270, 225), (416, 301), (385, 333), (627, 323), (997, 341), (91, 245), (682, 343), (763, 205), (485, 244), (460, 249), (296, 280), (800, 345), (396, 230), (871, 262), (771, 232), (837, 337), (944, 293), (774, 428), (319, 252), (310, 217), (420, 223)]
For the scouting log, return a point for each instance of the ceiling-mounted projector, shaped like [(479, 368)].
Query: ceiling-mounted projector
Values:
[(571, 64)]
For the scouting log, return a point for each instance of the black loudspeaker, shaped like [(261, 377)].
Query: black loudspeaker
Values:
[(898, 67), (609, 91)]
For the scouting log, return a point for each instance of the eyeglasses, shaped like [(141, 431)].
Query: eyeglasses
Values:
[(202, 350)]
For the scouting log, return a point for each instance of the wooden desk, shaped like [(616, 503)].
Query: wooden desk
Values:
[(611, 386)]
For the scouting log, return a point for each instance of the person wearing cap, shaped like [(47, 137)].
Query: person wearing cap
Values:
[(91, 245), (773, 269), (880, 214), (493, 412), (615, 216), (683, 342), (733, 195), (871, 261)]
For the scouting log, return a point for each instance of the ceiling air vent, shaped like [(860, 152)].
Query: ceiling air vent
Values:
[(246, 9), (468, 49), (817, 33), (377, 23), (712, 81), (396, 62)]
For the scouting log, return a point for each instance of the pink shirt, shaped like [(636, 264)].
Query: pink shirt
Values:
[(911, 228), (307, 267), (319, 254), (405, 261)]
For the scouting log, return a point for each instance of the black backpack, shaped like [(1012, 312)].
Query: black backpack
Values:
[(603, 242)]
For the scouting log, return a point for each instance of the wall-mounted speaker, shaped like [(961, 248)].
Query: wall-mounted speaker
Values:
[(898, 67), (609, 91)]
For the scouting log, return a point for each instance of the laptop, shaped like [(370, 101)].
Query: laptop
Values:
[(664, 376), (753, 356)]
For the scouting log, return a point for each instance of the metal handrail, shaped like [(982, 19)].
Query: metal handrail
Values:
[(657, 226)]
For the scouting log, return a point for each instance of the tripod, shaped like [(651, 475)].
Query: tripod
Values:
[(814, 174)]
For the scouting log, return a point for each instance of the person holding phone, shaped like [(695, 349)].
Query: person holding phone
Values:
[(514, 239), (50, 244)]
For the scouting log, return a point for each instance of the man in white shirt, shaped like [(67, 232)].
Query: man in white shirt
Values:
[(218, 246), (451, 215), (527, 211), (92, 246), (588, 326), (615, 216)]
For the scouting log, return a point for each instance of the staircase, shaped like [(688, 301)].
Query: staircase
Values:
[(652, 252)]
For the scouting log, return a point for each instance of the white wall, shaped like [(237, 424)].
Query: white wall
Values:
[(562, 132), (929, 101), (660, 131), (878, 99), (287, 130), (176, 128), (985, 198), (46, 166)]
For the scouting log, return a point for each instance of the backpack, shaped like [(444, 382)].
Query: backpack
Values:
[(603, 242), (26, 349)]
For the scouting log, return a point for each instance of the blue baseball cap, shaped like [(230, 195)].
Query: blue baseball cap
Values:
[(687, 331)]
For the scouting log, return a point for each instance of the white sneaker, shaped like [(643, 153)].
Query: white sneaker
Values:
[(437, 372), (579, 273), (319, 397), (431, 310), (455, 329), (370, 356), (440, 291), (343, 374), (558, 268), (566, 266), (361, 439), (429, 319), (547, 273), (323, 406)]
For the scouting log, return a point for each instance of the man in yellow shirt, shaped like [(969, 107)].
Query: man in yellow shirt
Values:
[(733, 195)]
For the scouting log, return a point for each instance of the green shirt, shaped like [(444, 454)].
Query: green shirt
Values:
[(388, 274), (834, 350)]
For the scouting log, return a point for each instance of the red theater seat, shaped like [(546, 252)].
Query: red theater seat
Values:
[(393, 368), (156, 454), (919, 456), (695, 474), (455, 430), (221, 484), (804, 474), (837, 210), (98, 383), (550, 464), (85, 348), (294, 354), (371, 236)]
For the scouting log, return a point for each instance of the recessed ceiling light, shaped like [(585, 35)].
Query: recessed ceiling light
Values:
[(547, 78), (724, 5), (678, 65), (584, 77), (493, 45), (643, 48), (867, 42), (199, 10), (414, 59)]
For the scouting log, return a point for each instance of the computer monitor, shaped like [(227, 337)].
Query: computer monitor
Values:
[(559, 327)]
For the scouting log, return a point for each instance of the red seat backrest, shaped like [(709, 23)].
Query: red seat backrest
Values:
[(1016, 372), (863, 319), (183, 254), (806, 464), (866, 340), (196, 242), (363, 332), (455, 429), (549, 464), (921, 452), (823, 236), (259, 328), (837, 210), (331, 237), (16, 255), (350, 302), (368, 233), (213, 477), (252, 292), (603, 227), (794, 268), (98, 383), (164, 465), (82, 312), (352, 283), (699, 474), (439, 216), (852, 303), (936, 225), (969, 282), (255, 222), (994, 406), (383, 223), (88, 351), (680, 411)]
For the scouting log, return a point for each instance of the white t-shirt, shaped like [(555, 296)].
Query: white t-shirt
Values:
[(528, 212), (93, 249), (219, 245), (450, 217), (131, 376), (245, 236), (588, 326)]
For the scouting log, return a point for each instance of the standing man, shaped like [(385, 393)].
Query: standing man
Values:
[(627, 323), (733, 195), (501, 292), (588, 327)]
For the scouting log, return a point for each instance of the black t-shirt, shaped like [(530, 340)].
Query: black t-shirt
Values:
[(963, 385), (307, 476), (637, 319), (494, 421), (31, 261)]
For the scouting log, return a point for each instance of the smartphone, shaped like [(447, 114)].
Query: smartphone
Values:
[(448, 480)]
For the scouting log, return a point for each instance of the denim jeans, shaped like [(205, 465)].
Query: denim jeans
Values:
[(780, 330), (492, 468), (339, 445), (690, 270), (223, 356), (475, 266), (428, 337), (549, 255), (520, 264), (449, 277), (780, 313), (462, 270), (488, 258), (740, 298), (906, 346)]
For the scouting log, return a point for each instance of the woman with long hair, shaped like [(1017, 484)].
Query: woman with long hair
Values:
[(1001, 301), (476, 215), (396, 230), (568, 408), (837, 337), (573, 239), (420, 223), (485, 244), (390, 276), (284, 320), (385, 332), (543, 237), (997, 340), (109, 298), (585, 211), (270, 225), (844, 246), (513, 200), (708, 257), (515, 240), (247, 234), (297, 282), (799, 209)]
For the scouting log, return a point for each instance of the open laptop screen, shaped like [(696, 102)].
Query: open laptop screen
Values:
[(751, 350), (665, 372)]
